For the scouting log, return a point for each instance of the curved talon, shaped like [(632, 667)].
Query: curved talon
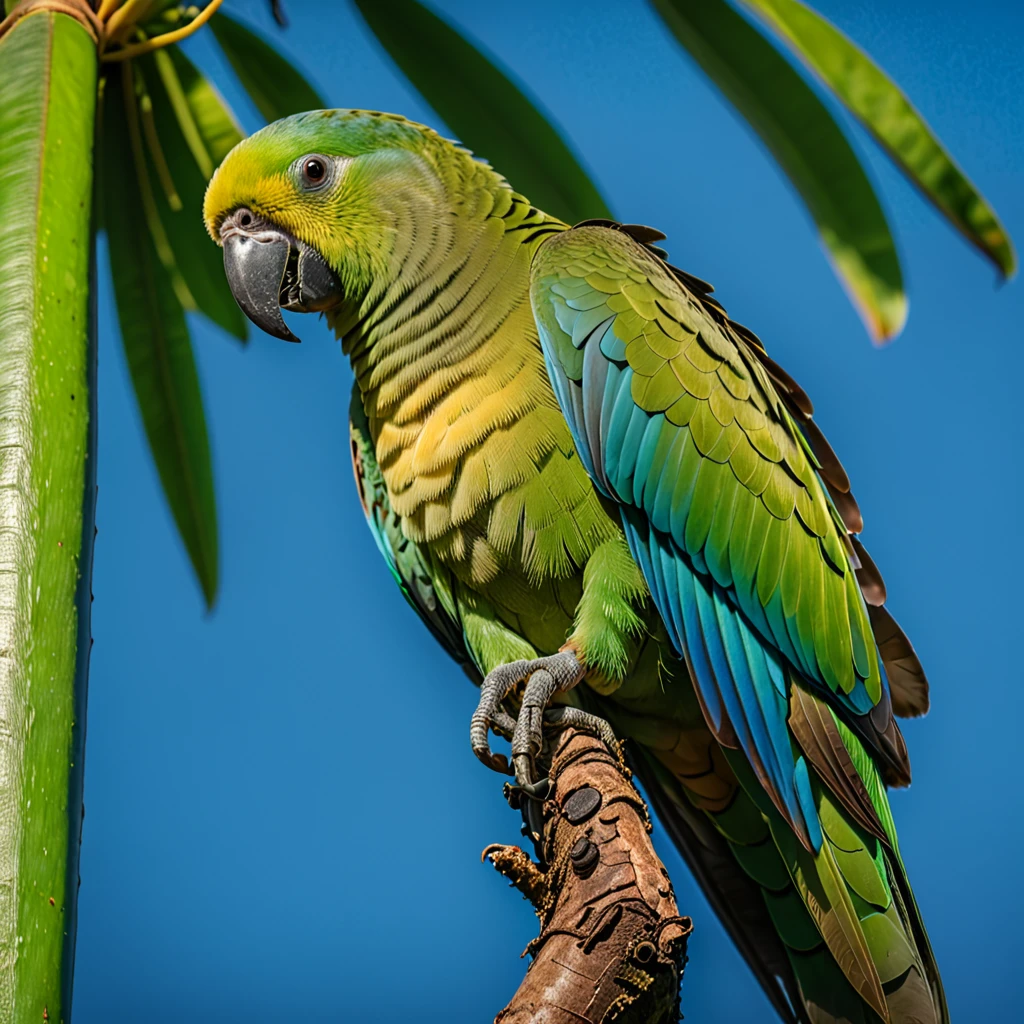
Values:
[(538, 790), (496, 762), (493, 691)]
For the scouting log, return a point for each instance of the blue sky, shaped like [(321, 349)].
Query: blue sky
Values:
[(284, 819)]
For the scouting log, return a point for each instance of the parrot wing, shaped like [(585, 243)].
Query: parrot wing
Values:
[(740, 517), (676, 417), (420, 581)]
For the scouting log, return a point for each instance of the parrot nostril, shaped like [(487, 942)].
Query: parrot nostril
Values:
[(245, 220)]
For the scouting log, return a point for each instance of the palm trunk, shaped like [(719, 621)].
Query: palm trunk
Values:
[(612, 945), (48, 76)]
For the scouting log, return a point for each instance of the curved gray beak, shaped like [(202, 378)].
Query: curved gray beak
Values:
[(268, 269)]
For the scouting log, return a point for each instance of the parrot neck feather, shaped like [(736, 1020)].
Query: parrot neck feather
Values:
[(468, 435), (457, 271)]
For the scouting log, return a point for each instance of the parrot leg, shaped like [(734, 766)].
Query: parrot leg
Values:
[(544, 678), (528, 738), (489, 712)]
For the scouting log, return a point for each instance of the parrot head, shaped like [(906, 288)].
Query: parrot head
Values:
[(308, 208)]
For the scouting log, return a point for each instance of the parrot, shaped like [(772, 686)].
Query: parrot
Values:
[(614, 510)]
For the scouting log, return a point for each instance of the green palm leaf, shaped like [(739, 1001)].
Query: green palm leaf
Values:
[(215, 124), (883, 108), (197, 261), (204, 118), (809, 146), (274, 86), (484, 107), (155, 337)]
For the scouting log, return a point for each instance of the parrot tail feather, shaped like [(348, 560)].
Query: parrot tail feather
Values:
[(831, 937), (733, 895)]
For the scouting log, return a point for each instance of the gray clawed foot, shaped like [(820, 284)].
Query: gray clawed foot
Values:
[(544, 677), (489, 712), (528, 737)]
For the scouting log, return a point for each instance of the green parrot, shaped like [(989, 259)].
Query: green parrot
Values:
[(609, 504)]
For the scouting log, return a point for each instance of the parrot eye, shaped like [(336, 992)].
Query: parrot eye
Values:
[(314, 171)]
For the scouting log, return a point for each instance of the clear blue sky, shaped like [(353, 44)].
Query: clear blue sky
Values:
[(284, 819)]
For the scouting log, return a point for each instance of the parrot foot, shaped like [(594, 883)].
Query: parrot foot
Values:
[(585, 721), (503, 724), (544, 678)]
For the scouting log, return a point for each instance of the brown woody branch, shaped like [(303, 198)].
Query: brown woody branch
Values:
[(612, 944)]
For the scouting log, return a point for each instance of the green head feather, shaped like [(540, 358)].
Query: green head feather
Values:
[(376, 168)]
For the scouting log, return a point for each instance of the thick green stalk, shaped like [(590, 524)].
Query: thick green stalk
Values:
[(47, 494)]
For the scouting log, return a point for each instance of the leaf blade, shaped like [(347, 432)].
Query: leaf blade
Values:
[(273, 84), (484, 108), (883, 108), (196, 260), (157, 348), (810, 148), (215, 124)]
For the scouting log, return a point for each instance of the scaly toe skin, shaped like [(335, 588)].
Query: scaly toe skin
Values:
[(489, 710), (528, 738), (503, 724), (557, 672), (584, 720)]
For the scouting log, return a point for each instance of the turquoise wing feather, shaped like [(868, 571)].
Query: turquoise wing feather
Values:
[(740, 518), (417, 578), (677, 417)]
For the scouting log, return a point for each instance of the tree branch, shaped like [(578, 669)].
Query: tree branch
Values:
[(612, 944)]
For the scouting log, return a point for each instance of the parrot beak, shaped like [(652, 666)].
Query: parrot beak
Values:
[(268, 269)]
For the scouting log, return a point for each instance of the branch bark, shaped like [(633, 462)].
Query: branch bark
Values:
[(612, 944)]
